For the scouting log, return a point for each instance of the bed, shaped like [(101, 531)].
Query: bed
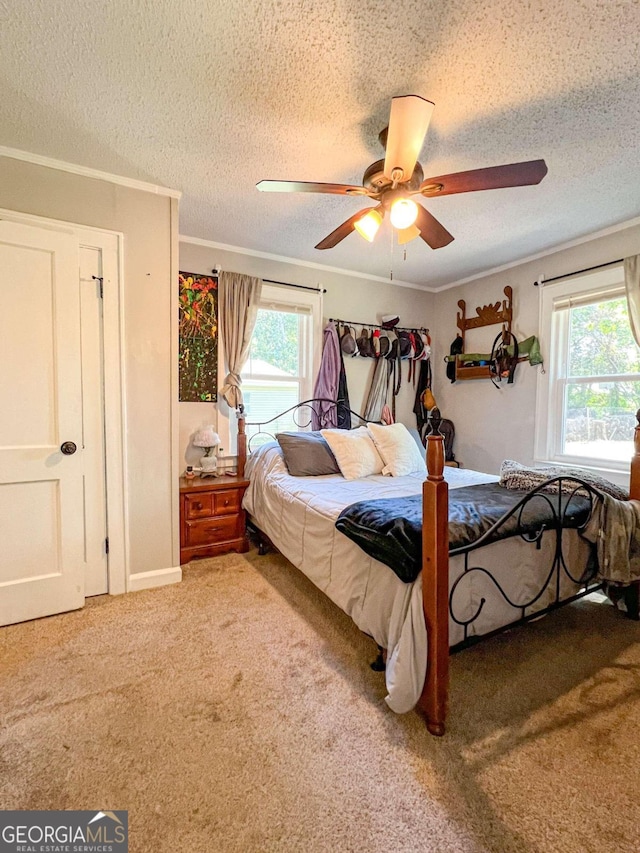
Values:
[(459, 595)]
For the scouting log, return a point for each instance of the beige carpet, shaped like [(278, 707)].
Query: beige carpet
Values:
[(237, 712)]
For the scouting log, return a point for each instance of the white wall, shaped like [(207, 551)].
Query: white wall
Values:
[(347, 298), (492, 425), (148, 222)]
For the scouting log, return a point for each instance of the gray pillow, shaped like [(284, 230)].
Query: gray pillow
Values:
[(415, 435), (307, 454)]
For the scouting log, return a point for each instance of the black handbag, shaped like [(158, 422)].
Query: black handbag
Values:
[(502, 363), (454, 350)]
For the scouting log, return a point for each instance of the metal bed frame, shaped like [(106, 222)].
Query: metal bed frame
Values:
[(438, 598)]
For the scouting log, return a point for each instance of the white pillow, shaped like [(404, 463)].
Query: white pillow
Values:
[(398, 450), (355, 452)]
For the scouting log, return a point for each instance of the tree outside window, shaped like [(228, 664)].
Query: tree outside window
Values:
[(589, 391), (277, 374), (603, 381)]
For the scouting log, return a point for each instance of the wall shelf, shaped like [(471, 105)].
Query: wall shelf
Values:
[(486, 315)]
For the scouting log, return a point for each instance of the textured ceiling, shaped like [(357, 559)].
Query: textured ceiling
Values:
[(209, 98)]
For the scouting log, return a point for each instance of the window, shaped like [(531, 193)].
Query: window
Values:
[(283, 359), (590, 392)]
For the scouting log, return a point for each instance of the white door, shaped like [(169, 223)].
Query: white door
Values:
[(41, 486)]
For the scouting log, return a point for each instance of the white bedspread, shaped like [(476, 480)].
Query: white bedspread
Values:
[(298, 514)]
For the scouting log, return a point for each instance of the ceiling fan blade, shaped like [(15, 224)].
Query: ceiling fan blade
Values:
[(492, 178), (343, 230), (431, 231), (408, 123), (309, 187)]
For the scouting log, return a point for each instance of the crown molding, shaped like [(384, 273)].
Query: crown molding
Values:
[(87, 172), (283, 259), (578, 241), (561, 247)]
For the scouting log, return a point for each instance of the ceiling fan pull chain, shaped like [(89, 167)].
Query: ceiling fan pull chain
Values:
[(391, 258)]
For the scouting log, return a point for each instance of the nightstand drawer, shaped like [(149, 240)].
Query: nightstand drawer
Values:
[(199, 505), (226, 502), (212, 530)]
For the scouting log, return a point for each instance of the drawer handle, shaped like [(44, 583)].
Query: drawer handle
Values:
[(197, 505), (226, 503)]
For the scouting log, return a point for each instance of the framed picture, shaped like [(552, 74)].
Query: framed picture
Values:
[(198, 338)]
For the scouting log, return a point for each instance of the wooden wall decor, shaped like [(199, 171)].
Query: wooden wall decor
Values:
[(198, 338), (486, 315)]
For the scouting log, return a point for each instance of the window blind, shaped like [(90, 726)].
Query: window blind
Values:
[(564, 303)]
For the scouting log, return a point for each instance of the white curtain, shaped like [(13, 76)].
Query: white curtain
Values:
[(238, 299), (632, 283)]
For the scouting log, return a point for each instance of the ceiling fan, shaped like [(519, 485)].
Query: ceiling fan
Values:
[(393, 181)]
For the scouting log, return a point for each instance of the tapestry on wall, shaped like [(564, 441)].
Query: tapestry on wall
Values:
[(198, 338)]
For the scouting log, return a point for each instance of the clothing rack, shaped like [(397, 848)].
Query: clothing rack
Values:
[(542, 280), (352, 324), (216, 272)]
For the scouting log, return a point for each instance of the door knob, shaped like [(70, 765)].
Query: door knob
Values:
[(68, 448)]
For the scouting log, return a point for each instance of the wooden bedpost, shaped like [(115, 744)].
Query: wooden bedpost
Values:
[(632, 592), (435, 582), (242, 443), (634, 485)]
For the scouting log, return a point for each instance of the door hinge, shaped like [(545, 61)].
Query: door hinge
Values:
[(106, 545), (101, 280)]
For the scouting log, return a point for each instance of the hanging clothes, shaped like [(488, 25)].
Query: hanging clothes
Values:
[(344, 406), (424, 383), (324, 415), (377, 397), (386, 417)]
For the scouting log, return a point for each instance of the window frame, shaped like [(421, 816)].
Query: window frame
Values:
[(309, 303), (597, 286)]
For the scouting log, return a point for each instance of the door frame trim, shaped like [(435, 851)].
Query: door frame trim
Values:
[(111, 245)]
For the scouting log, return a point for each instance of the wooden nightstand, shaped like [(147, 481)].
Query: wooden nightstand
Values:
[(212, 520)]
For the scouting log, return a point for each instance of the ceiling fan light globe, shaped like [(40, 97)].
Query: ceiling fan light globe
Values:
[(405, 235), (404, 213), (367, 226)]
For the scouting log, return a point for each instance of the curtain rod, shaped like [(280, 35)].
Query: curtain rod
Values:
[(542, 281), (353, 324), (299, 286), (283, 283)]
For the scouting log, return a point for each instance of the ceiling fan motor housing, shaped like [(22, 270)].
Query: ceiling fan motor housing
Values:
[(375, 181)]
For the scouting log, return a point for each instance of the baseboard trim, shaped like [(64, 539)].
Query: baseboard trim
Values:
[(157, 577)]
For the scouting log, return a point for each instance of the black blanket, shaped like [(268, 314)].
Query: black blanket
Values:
[(390, 529)]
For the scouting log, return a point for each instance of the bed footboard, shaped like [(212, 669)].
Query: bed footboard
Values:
[(632, 594), (435, 576), (634, 484)]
